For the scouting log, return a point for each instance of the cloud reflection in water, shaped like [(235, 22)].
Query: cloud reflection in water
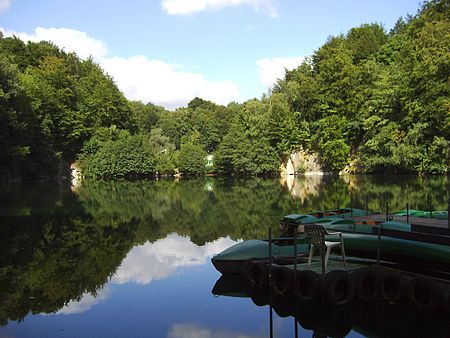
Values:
[(161, 259), (197, 331)]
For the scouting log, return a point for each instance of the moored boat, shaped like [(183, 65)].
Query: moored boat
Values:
[(413, 246), (439, 214)]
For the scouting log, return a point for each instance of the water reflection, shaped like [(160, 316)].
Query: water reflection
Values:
[(64, 251), (86, 302), (191, 330), (158, 260), (369, 319)]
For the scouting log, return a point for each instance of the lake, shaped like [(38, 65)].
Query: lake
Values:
[(132, 259)]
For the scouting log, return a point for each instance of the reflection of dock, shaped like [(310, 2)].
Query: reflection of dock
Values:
[(368, 318)]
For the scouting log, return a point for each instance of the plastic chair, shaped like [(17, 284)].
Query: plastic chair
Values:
[(317, 233)]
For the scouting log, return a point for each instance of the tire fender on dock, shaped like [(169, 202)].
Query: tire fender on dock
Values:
[(338, 288), (307, 285), (392, 286), (366, 283), (282, 280), (424, 293), (256, 274)]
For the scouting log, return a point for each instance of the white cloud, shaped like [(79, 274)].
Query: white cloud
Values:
[(161, 259), (183, 7), (139, 77), (197, 331), (4, 5), (69, 39), (271, 69), (86, 302)]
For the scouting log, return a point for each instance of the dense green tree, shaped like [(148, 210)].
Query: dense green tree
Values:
[(146, 116), (129, 156), (192, 158)]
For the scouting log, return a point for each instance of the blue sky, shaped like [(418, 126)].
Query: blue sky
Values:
[(169, 51)]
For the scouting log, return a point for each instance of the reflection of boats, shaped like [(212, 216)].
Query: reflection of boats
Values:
[(366, 318)]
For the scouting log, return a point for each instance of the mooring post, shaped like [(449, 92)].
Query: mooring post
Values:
[(366, 205), (407, 212), (270, 284), (387, 211), (295, 327), (448, 213), (270, 317), (379, 244), (322, 258), (270, 256), (295, 254), (295, 275), (429, 206)]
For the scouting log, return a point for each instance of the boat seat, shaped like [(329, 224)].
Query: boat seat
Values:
[(317, 233)]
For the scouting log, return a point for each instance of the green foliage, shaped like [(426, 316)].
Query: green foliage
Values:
[(60, 101), (329, 140), (129, 156), (192, 159)]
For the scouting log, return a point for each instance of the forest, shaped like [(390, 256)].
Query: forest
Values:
[(371, 100)]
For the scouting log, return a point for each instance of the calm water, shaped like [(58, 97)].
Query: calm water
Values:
[(119, 259)]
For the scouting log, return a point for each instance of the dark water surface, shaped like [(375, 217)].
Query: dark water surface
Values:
[(121, 259)]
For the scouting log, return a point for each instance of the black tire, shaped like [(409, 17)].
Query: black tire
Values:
[(256, 274), (338, 288), (283, 306), (392, 287), (338, 322), (282, 280), (259, 296), (423, 293), (307, 285), (307, 316), (366, 284)]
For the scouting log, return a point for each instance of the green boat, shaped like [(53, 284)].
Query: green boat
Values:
[(233, 259), (439, 214), (415, 247)]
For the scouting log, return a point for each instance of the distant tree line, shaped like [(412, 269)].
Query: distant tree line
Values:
[(374, 99)]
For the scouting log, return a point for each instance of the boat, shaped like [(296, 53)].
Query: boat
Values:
[(232, 260), (415, 247), (439, 214)]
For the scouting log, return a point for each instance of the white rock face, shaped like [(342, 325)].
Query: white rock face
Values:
[(302, 162)]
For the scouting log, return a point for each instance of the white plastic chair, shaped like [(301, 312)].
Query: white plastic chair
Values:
[(317, 233)]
